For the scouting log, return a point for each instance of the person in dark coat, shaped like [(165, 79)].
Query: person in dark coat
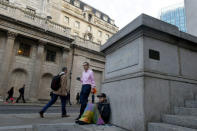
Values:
[(98, 113), (61, 92), (104, 107), (22, 92), (77, 98), (10, 94)]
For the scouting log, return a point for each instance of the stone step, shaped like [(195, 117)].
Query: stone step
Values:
[(16, 128), (167, 127), (191, 103), (74, 127), (185, 111), (185, 121), (61, 127)]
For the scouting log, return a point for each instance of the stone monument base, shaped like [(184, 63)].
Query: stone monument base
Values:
[(150, 69)]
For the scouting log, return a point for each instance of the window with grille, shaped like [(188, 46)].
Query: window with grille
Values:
[(51, 56)]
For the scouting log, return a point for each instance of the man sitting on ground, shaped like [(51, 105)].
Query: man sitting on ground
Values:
[(96, 113)]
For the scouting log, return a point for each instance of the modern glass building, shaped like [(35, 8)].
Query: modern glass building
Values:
[(175, 15)]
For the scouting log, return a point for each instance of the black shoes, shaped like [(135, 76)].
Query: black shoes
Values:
[(65, 116), (78, 118), (41, 114)]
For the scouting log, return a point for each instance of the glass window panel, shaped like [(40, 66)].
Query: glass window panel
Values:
[(51, 56), (24, 50)]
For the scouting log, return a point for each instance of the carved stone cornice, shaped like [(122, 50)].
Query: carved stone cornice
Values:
[(11, 35), (37, 34), (42, 42)]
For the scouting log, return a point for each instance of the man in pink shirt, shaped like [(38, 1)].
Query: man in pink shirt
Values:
[(88, 83)]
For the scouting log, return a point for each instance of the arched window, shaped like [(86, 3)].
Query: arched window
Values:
[(90, 17), (84, 15), (89, 28)]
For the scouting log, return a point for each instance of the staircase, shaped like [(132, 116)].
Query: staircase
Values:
[(183, 119)]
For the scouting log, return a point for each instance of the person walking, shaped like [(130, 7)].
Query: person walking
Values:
[(10, 95), (21, 91), (77, 98), (60, 92), (68, 98), (88, 84)]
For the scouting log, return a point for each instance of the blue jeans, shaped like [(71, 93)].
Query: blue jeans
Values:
[(85, 92), (53, 100)]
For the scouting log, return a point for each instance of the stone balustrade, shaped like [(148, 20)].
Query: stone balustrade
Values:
[(87, 44), (6, 9)]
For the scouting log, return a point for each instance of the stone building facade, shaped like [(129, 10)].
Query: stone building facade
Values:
[(34, 49), (84, 20)]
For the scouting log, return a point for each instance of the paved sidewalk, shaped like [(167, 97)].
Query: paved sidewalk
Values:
[(31, 119), (51, 122)]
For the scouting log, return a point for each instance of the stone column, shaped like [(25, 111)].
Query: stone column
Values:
[(66, 63), (37, 72), (65, 58), (5, 67)]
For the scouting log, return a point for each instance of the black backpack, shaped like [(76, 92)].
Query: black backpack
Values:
[(56, 82)]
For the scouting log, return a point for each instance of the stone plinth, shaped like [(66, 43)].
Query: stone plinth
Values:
[(150, 68)]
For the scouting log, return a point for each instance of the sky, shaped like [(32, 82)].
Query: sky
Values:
[(124, 11)]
